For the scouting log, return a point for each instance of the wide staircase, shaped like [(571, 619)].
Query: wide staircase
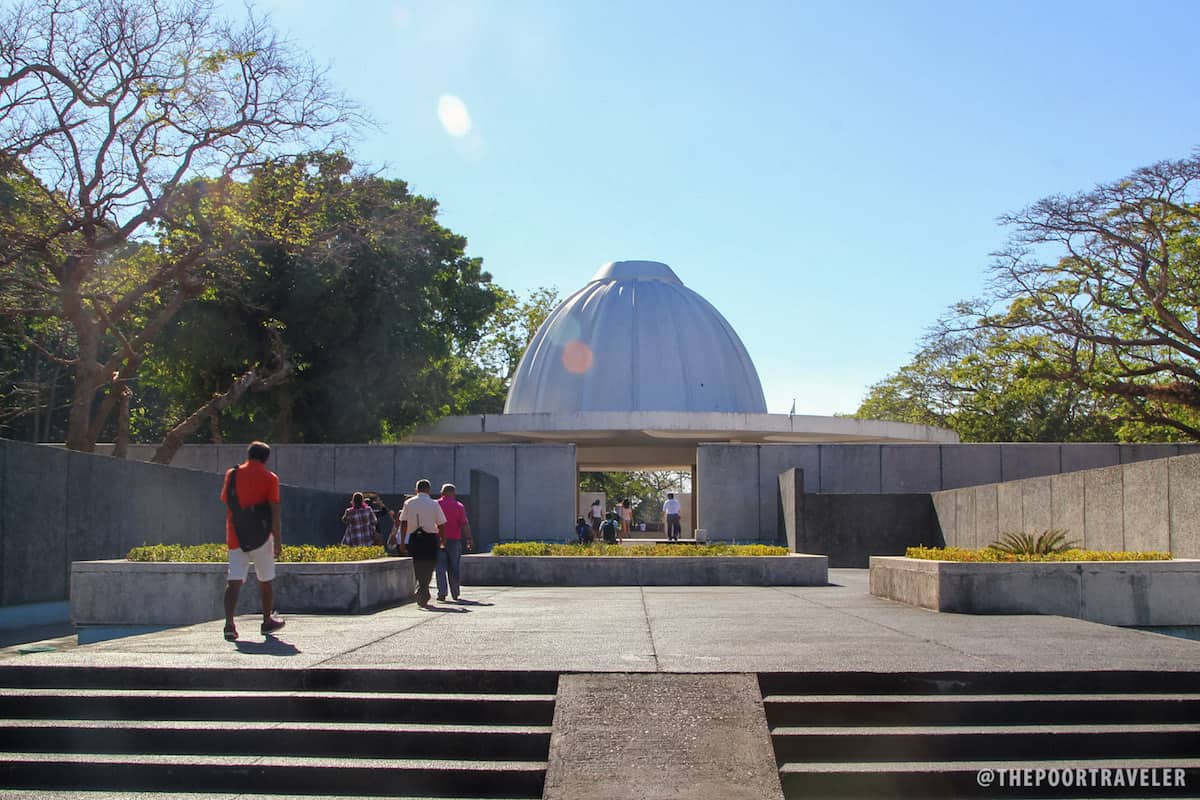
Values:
[(949, 735), (224, 733)]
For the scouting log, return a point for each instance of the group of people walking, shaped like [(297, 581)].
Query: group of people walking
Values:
[(432, 532), (613, 526)]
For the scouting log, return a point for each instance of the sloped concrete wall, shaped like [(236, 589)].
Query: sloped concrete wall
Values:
[(738, 484), (58, 506), (1141, 505)]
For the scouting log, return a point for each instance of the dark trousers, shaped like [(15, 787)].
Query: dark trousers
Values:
[(673, 527), (423, 547)]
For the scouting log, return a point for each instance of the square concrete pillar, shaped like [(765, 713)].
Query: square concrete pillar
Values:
[(791, 499)]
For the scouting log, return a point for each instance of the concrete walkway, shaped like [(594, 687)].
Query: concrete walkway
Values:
[(654, 629)]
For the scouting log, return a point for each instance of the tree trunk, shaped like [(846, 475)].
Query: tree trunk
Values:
[(79, 422), (174, 438), (121, 448)]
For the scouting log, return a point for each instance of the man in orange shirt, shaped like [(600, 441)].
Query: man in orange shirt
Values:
[(255, 485)]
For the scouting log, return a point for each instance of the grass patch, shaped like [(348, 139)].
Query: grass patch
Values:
[(218, 553), (664, 550), (993, 555)]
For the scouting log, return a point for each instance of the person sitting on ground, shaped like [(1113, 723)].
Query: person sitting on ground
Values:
[(583, 531), (360, 522), (609, 528)]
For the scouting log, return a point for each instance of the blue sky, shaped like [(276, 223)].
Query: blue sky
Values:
[(828, 175)]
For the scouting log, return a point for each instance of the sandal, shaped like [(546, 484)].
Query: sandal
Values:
[(230, 633)]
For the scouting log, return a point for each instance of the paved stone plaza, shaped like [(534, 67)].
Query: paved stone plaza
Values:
[(657, 629)]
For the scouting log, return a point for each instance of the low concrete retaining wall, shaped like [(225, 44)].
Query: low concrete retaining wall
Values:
[(142, 593), (1112, 592), (792, 570)]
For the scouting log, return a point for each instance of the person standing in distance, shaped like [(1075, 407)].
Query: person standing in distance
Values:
[(424, 523), (671, 509), (458, 532), (595, 517), (360, 522), (255, 485)]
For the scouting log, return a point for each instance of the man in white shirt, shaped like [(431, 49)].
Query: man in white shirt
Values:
[(671, 509), (419, 519)]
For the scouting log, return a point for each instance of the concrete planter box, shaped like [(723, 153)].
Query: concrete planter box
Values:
[(797, 569), (1111, 592), (123, 592)]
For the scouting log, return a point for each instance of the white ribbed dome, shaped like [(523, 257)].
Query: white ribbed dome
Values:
[(635, 339)]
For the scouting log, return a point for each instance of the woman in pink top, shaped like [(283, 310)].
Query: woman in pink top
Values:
[(458, 530)]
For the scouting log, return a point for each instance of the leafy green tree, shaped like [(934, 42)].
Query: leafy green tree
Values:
[(1091, 331), (344, 285), (1102, 289), (976, 383), (110, 109)]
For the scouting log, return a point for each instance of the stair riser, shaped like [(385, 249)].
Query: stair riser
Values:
[(275, 680), (282, 709), (984, 747), (297, 780), (978, 683), (968, 712), (492, 745)]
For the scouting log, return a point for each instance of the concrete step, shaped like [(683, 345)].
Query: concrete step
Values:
[(364, 740), (794, 744), (288, 776), (961, 779), (977, 709), (392, 707), (256, 679), (939, 683), (70, 794)]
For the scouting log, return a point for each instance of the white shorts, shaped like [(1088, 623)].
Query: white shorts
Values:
[(263, 559)]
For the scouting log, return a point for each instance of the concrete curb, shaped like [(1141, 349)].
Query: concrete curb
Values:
[(120, 592), (1112, 592), (797, 569)]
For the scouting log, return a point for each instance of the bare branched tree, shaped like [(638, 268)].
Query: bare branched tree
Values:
[(111, 108)]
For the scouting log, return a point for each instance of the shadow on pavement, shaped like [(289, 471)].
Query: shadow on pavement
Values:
[(268, 647)]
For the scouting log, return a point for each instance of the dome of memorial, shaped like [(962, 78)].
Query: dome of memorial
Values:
[(635, 339)]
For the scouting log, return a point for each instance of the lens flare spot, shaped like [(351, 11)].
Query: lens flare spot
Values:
[(452, 113), (577, 357)]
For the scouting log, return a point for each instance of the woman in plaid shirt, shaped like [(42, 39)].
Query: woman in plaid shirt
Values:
[(359, 520)]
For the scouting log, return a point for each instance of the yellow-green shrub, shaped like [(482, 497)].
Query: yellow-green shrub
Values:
[(216, 552), (990, 555)]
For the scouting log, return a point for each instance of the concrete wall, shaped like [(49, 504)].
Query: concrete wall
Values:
[(850, 528), (537, 483), (738, 484), (58, 506), (1136, 505)]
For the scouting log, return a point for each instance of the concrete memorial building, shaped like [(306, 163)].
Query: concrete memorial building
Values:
[(636, 371)]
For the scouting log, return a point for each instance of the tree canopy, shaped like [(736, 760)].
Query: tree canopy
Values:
[(1091, 328), (109, 110)]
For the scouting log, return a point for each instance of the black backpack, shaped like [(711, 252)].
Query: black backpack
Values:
[(253, 524)]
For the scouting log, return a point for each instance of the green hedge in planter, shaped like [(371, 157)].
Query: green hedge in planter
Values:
[(214, 553), (990, 555)]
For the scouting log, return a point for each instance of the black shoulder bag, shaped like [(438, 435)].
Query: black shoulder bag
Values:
[(253, 524)]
